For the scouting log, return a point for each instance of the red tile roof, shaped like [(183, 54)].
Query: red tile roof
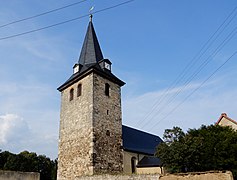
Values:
[(225, 116)]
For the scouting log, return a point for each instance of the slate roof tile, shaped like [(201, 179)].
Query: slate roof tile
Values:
[(138, 141)]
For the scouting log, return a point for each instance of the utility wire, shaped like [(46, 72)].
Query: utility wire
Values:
[(218, 49), (207, 45), (67, 21), (209, 77), (42, 14), (194, 60)]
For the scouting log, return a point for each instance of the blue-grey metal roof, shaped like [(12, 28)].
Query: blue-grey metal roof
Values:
[(138, 141), (149, 161)]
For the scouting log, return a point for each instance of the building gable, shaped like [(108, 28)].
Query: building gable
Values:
[(224, 120)]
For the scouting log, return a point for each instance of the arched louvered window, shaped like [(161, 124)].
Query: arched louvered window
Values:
[(79, 89), (71, 94), (107, 89)]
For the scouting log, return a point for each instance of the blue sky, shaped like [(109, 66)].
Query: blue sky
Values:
[(149, 44)]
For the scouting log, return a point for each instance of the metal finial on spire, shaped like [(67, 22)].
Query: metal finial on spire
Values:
[(91, 16)]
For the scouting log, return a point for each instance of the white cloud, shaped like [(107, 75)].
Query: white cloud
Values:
[(12, 127), (45, 48), (32, 65), (16, 97), (143, 104), (16, 135), (203, 107), (29, 119)]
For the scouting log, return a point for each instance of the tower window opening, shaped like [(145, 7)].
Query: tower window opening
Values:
[(71, 94), (79, 87), (107, 89)]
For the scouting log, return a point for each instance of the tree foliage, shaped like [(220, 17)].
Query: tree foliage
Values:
[(29, 162), (207, 148)]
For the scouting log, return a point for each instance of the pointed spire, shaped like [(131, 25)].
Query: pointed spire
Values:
[(91, 52), (91, 58)]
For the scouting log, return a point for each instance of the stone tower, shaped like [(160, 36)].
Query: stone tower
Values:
[(90, 137)]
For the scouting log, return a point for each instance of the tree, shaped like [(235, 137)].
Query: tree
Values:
[(3, 158), (46, 167), (172, 150), (173, 135), (207, 148), (29, 162)]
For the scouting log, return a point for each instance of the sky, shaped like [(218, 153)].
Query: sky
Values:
[(178, 71)]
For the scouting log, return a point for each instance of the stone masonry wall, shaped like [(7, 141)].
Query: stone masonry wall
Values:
[(76, 132), (226, 175), (121, 177), (211, 175), (16, 175), (90, 137), (107, 123)]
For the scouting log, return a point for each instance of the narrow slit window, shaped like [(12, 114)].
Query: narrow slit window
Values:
[(71, 94), (79, 87), (133, 164), (107, 89)]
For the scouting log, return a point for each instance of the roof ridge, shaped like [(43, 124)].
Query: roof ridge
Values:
[(141, 131)]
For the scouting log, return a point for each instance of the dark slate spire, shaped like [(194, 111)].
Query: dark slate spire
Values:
[(91, 52), (91, 60)]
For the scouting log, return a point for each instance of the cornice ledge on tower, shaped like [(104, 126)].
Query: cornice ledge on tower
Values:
[(76, 77)]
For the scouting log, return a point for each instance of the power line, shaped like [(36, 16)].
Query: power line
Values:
[(207, 45), (42, 14), (67, 21), (197, 57), (218, 49), (209, 77)]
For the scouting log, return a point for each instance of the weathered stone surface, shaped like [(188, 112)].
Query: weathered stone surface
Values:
[(216, 175), (211, 175), (107, 125), (120, 177), (90, 137), (16, 175), (76, 131)]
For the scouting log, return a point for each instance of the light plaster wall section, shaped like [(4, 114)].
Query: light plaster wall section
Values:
[(107, 123), (76, 132), (226, 122), (149, 170), (127, 157)]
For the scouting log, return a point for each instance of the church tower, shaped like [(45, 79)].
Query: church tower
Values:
[(90, 135)]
